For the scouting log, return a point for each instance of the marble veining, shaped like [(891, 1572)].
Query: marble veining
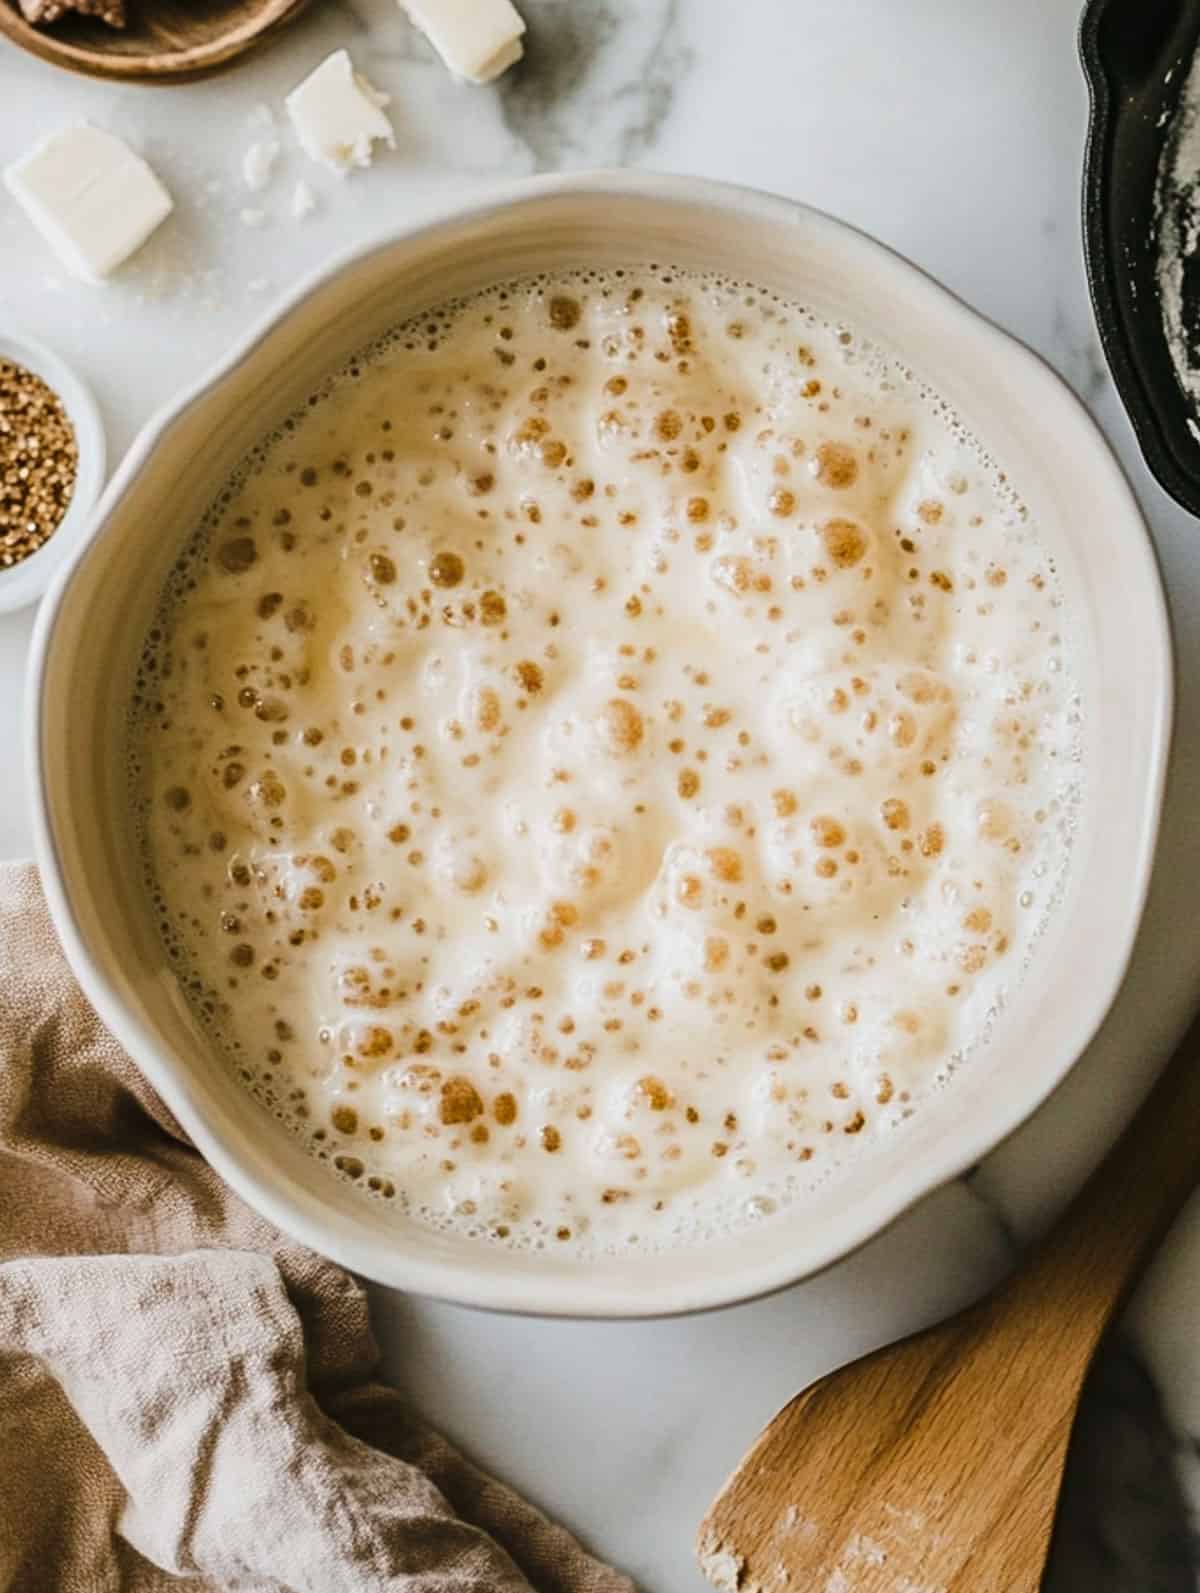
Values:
[(955, 134), (604, 82)]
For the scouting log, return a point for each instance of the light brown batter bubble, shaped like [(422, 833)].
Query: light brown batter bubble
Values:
[(620, 727), (844, 543), (492, 608), (895, 814), (461, 1101), (835, 466), (827, 832), (565, 312), (446, 570), (237, 555)]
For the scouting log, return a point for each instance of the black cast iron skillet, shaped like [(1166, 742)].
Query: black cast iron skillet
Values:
[(1128, 48)]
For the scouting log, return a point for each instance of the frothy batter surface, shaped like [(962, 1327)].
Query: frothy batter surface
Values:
[(604, 762)]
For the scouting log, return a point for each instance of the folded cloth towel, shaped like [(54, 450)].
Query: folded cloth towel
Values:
[(183, 1391)]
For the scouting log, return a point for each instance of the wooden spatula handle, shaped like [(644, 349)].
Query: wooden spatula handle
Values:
[(1091, 1259)]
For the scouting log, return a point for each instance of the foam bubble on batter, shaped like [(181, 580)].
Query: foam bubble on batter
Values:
[(606, 760)]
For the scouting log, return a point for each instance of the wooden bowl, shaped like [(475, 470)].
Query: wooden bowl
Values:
[(165, 40)]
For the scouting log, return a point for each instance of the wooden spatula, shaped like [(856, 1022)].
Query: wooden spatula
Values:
[(933, 1466)]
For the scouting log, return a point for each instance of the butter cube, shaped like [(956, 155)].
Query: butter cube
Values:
[(477, 39), (337, 115), (90, 196)]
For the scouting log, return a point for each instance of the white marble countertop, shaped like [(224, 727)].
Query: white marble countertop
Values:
[(952, 132)]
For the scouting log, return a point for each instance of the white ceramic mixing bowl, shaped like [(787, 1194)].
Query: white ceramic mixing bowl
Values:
[(91, 626)]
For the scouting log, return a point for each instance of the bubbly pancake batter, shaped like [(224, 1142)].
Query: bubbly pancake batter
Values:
[(603, 762)]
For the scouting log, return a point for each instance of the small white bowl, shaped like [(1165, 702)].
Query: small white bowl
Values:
[(23, 583)]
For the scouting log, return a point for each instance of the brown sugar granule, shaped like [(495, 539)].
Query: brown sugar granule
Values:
[(504, 1108), (551, 1138), (38, 461), (344, 1119)]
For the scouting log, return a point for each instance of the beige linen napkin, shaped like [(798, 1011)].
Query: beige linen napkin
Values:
[(184, 1392)]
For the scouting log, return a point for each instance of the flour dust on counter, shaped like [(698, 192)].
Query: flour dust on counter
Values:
[(605, 760)]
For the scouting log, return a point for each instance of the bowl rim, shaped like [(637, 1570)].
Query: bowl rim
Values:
[(875, 1210), (22, 584)]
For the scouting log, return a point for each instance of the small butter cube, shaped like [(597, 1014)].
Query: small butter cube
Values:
[(477, 39), (338, 115), (90, 196)]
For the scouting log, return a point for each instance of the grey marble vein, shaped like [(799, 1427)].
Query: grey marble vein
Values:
[(1078, 357), (598, 81)]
